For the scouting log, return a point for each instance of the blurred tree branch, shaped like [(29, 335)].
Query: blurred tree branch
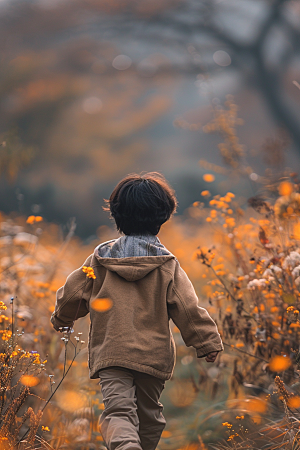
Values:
[(192, 22)]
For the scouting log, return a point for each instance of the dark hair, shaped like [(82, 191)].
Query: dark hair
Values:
[(140, 204)]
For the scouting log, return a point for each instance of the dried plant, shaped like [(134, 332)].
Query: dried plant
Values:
[(24, 385)]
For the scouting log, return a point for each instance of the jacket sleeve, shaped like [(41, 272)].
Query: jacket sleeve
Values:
[(71, 299), (196, 326)]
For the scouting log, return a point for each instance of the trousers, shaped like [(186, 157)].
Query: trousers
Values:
[(132, 418)]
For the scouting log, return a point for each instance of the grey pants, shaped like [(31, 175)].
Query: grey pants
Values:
[(132, 418)]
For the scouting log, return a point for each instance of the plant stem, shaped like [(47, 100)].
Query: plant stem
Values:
[(51, 396), (246, 353)]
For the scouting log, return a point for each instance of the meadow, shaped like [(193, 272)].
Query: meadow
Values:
[(244, 261)]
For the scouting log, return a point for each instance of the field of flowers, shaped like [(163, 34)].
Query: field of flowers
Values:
[(245, 265)]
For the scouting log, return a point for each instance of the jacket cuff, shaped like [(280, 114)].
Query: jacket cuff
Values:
[(57, 323), (208, 348)]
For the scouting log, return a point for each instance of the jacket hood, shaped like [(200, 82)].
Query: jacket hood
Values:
[(132, 257)]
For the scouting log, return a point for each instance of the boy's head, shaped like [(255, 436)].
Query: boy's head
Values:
[(140, 204)]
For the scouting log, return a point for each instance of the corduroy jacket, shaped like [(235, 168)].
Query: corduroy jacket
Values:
[(145, 292)]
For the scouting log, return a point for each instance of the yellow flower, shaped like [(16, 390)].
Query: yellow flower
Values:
[(230, 221), (227, 424), (29, 380), (208, 177), (33, 219), (232, 436), (3, 317), (294, 401), (45, 428), (3, 307), (36, 359), (287, 205), (101, 304), (6, 335), (285, 188), (279, 363), (89, 272), (30, 220)]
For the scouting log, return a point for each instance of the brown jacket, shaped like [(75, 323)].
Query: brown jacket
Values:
[(146, 291)]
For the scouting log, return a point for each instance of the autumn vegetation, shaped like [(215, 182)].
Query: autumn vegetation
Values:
[(75, 117), (244, 260)]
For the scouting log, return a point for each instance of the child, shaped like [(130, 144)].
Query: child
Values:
[(131, 348)]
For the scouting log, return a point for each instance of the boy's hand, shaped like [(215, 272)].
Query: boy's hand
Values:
[(211, 356)]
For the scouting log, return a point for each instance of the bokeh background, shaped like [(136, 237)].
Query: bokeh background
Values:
[(92, 90), (206, 92)]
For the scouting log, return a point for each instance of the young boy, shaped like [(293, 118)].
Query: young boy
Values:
[(131, 348)]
